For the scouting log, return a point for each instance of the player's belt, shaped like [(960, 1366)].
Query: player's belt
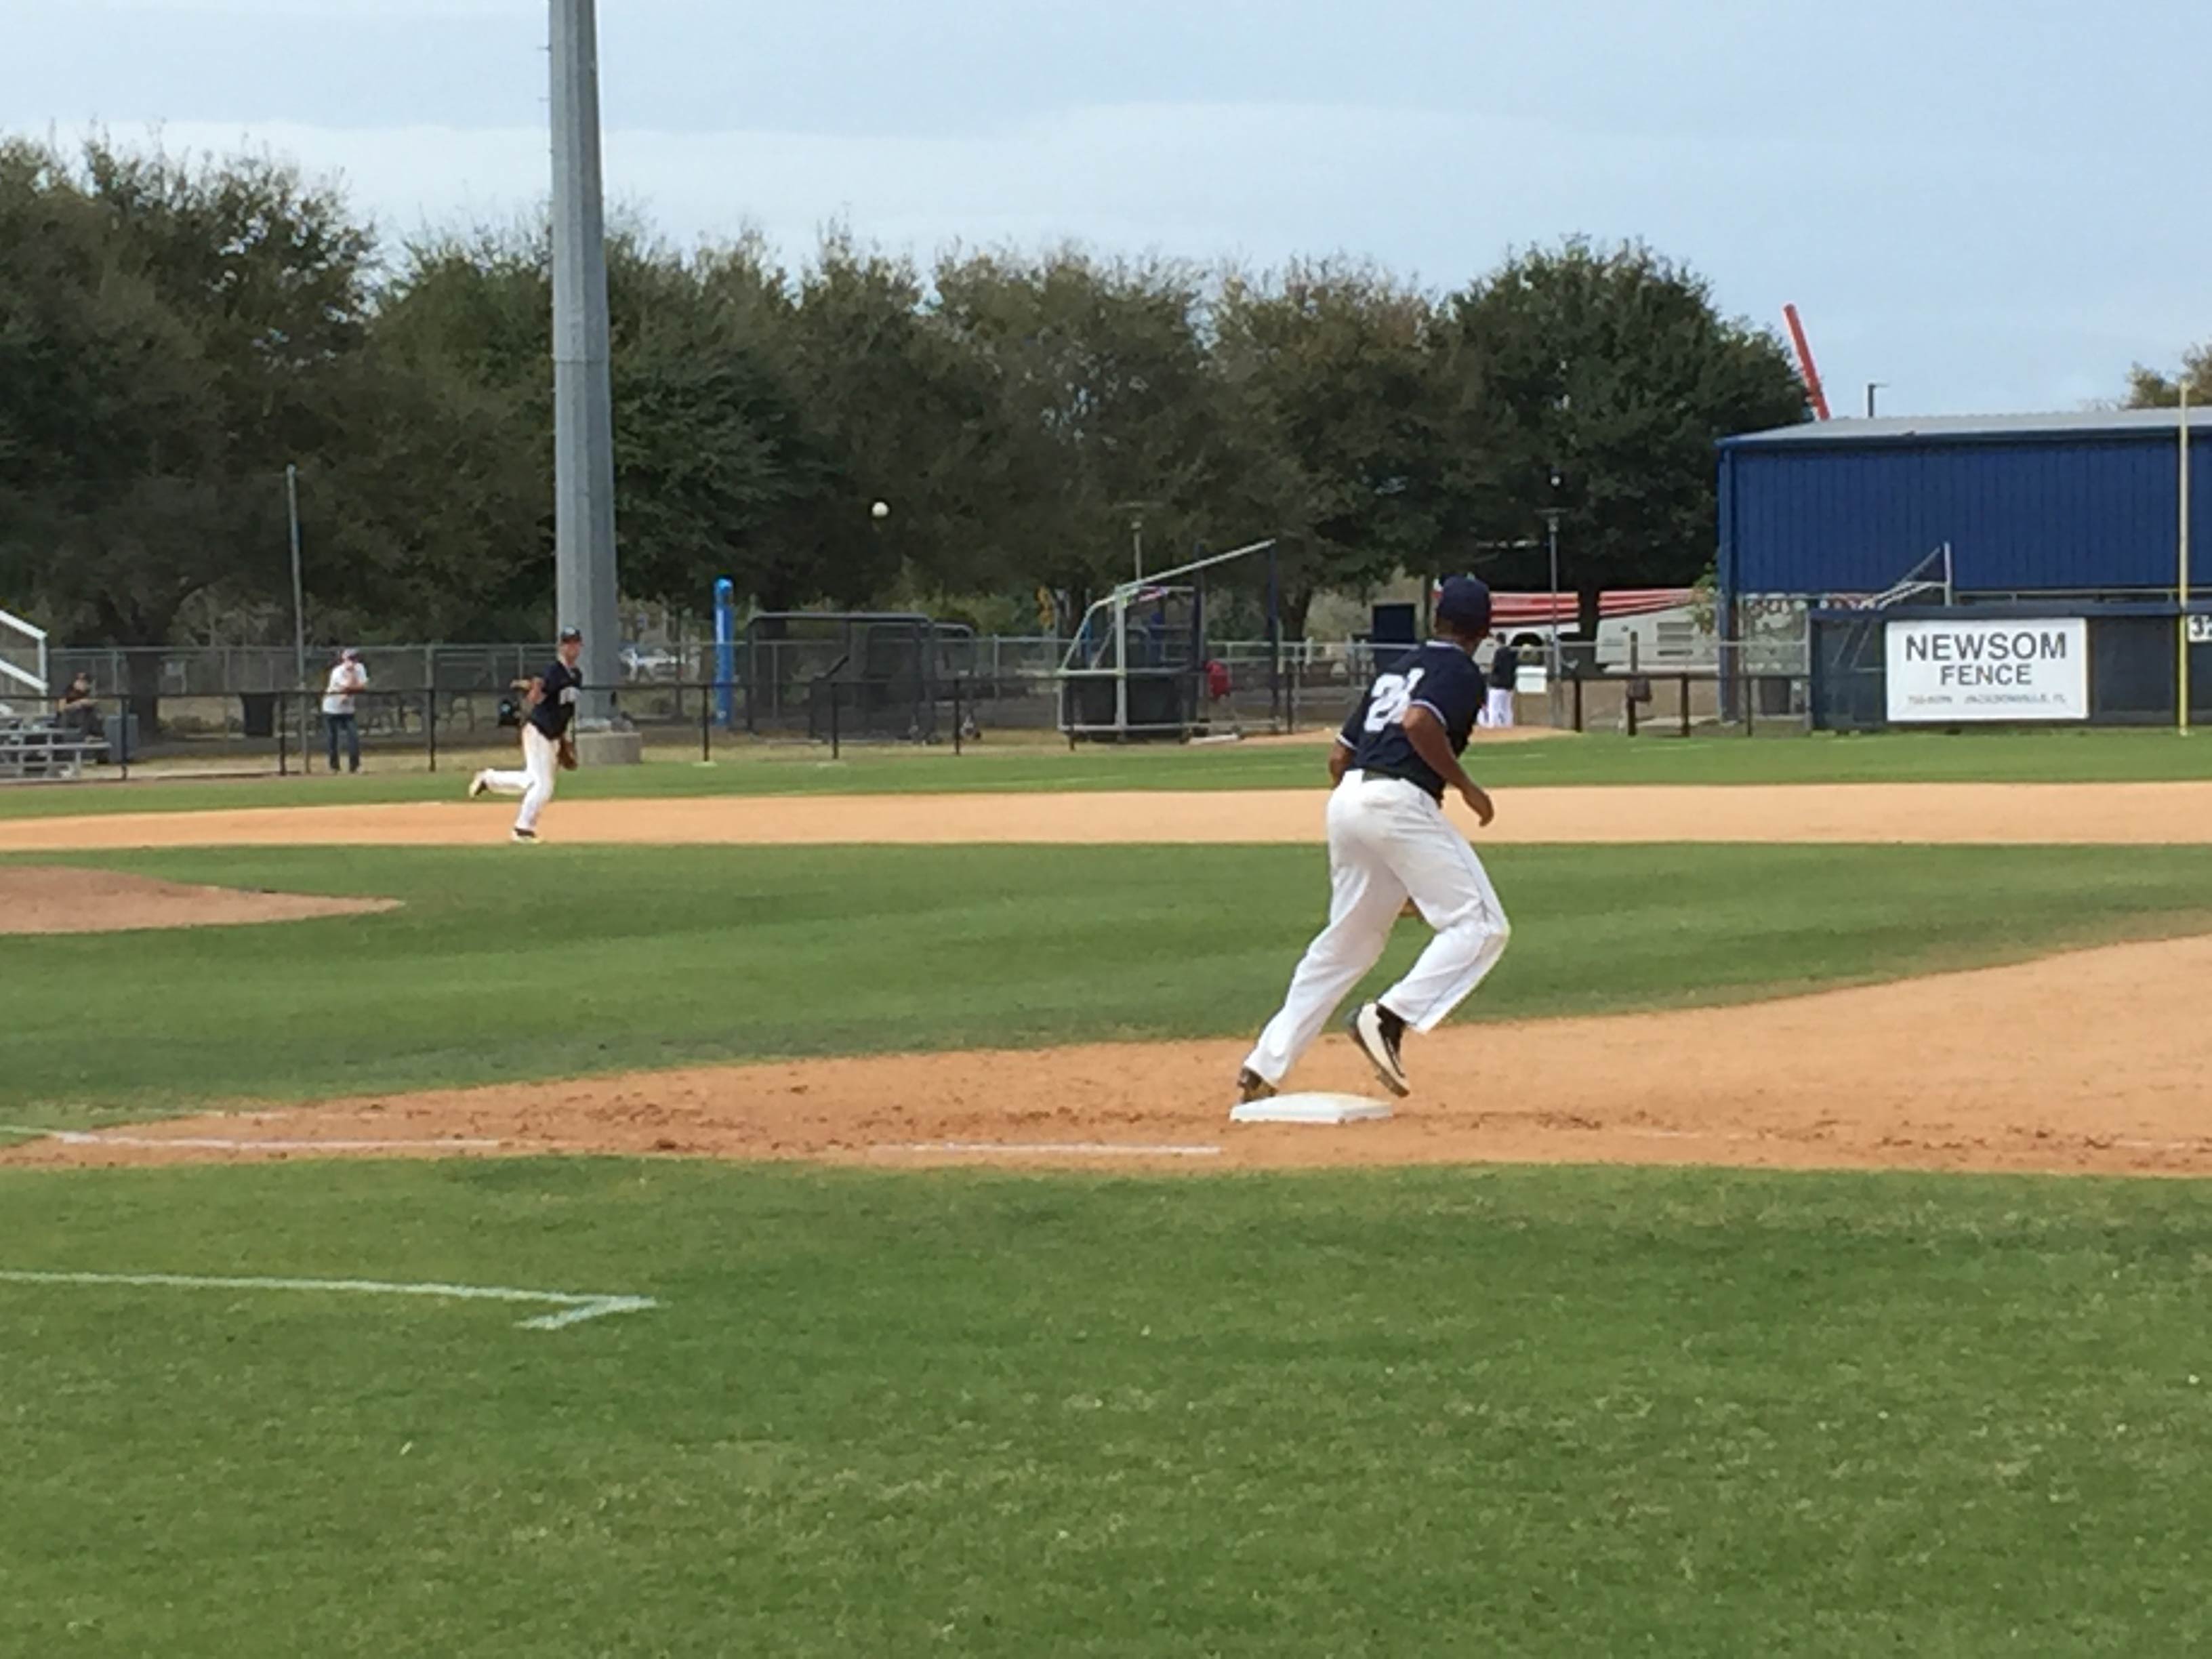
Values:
[(1362, 774)]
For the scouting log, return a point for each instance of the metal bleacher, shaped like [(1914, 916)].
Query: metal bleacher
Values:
[(38, 746)]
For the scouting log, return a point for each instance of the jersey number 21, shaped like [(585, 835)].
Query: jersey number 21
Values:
[(1392, 696)]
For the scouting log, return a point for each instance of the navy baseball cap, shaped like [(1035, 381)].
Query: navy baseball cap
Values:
[(1464, 602), (568, 636)]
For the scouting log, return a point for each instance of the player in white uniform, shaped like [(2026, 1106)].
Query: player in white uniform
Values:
[(1389, 840)]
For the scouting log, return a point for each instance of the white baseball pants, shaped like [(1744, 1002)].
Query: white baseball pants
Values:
[(534, 783), (1498, 713), (1389, 841)]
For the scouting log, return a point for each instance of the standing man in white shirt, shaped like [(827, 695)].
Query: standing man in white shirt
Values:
[(346, 680)]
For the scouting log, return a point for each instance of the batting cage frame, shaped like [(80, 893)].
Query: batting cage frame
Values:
[(1136, 668)]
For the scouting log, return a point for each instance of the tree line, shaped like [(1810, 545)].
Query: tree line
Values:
[(2155, 388), (175, 332)]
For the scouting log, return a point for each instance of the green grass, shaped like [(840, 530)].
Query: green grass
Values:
[(574, 960), (2085, 756), (1508, 1412)]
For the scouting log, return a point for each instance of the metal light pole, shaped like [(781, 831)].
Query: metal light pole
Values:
[(1551, 516), (1873, 386), (585, 583), (299, 603)]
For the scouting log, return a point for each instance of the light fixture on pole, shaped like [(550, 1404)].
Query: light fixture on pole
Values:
[(1136, 510)]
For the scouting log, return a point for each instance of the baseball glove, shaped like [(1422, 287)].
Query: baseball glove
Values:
[(567, 754)]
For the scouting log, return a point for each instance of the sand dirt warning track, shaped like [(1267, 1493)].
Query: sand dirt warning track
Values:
[(2097, 1061), (2127, 814)]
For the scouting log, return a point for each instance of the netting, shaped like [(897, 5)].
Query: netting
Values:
[(882, 676)]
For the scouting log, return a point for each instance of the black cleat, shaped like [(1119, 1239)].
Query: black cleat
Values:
[(525, 836), (1378, 1033), (1251, 1086)]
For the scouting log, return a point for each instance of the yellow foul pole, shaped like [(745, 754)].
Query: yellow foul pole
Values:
[(2181, 586)]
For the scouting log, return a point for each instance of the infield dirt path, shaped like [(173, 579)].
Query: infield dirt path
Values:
[(2125, 814), (2096, 1061)]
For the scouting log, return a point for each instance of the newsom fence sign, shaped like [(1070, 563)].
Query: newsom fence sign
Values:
[(1988, 670)]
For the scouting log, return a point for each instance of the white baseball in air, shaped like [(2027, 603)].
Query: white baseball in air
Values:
[(880, 510)]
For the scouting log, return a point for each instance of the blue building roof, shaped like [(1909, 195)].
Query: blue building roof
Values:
[(2120, 423)]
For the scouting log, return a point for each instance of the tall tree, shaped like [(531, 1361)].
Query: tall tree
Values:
[(167, 333), (1103, 398), (2152, 388), (712, 454), (1614, 367), (907, 415), (1341, 413), (435, 521)]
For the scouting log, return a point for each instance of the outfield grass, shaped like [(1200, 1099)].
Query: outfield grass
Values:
[(575, 960), (1486, 1412), (2084, 756)]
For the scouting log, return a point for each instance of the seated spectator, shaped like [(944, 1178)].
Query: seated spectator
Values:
[(78, 713)]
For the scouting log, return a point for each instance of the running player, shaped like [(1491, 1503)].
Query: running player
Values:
[(549, 712), (1389, 840)]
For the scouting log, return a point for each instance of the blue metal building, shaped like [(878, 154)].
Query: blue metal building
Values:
[(2031, 505)]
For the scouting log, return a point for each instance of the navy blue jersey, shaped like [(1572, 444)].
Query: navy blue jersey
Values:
[(1506, 669), (1437, 677), (558, 706)]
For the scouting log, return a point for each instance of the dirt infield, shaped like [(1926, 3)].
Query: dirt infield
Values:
[(2127, 814), (64, 899), (2094, 1061)]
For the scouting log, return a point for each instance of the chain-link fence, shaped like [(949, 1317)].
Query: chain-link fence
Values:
[(242, 709)]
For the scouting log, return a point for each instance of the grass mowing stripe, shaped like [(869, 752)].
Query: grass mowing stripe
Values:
[(1505, 1412), (595, 959)]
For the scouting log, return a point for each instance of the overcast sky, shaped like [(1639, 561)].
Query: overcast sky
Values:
[(1989, 205)]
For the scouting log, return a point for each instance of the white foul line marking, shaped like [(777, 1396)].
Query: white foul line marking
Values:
[(576, 1308), (1050, 1148), (95, 1138)]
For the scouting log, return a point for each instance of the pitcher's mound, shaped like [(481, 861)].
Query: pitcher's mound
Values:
[(63, 899)]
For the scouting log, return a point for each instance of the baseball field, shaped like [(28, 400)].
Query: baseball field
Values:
[(794, 1211)]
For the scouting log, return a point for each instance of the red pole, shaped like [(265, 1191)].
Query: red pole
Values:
[(1813, 394)]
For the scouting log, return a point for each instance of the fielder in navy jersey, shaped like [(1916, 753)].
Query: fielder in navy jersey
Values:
[(1389, 842), (548, 737)]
